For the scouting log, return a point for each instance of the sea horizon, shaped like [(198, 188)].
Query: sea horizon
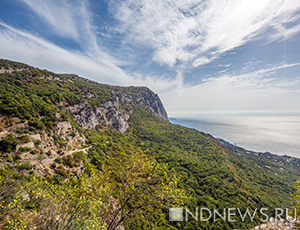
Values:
[(274, 134)]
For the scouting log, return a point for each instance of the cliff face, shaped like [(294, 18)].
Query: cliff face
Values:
[(110, 114), (145, 98)]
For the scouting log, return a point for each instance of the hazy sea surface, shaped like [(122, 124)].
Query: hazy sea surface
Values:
[(275, 134)]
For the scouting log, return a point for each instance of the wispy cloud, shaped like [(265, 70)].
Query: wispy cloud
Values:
[(254, 90), (200, 31), (61, 15), (71, 19), (19, 45), (262, 78)]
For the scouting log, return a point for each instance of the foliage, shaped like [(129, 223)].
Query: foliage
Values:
[(296, 199), (123, 189), (6, 64), (8, 143), (213, 176)]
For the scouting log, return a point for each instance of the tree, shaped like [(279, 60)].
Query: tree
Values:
[(140, 188)]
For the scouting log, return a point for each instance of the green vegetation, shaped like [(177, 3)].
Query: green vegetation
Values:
[(128, 189), (128, 179), (6, 64), (8, 144), (213, 176)]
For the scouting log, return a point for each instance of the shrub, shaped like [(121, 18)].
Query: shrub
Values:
[(8, 143), (80, 156), (23, 139), (34, 152), (37, 142), (24, 149), (61, 171), (68, 161), (72, 134), (58, 160), (9, 159), (53, 165), (17, 157), (60, 152), (26, 166)]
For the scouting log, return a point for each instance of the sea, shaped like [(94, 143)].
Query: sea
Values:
[(275, 134)]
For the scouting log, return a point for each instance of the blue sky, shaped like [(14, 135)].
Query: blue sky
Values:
[(201, 57)]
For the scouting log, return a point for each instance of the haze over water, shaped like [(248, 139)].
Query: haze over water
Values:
[(276, 134)]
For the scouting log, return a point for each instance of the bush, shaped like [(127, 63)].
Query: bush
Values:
[(24, 149), (26, 166), (17, 157), (72, 134), (58, 160), (8, 144), (80, 156), (9, 159), (59, 141), (37, 142), (34, 152), (61, 171), (23, 139), (53, 166), (68, 161), (60, 152)]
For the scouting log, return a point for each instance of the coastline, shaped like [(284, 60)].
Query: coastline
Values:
[(275, 135)]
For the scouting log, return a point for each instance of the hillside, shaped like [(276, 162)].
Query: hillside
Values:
[(76, 154)]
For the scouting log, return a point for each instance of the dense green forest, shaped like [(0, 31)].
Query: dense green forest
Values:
[(126, 179)]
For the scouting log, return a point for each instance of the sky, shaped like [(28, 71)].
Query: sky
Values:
[(201, 57)]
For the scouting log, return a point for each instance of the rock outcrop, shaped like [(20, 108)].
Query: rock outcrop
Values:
[(144, 97), (83, 114), (110, 114), (283, 224), (107, 116)]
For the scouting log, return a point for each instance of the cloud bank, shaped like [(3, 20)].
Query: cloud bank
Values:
[(197, 31)]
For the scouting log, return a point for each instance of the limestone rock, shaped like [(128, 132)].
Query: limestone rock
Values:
[(26, 145), (35, 136), (110, 114), (144, 97)]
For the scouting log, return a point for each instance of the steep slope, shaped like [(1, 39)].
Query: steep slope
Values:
[(215, 176), (59, 126)]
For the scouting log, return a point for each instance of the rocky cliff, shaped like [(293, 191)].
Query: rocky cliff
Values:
[(111, 113)]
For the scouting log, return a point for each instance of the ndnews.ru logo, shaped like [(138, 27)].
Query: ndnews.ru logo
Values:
[(229, 214)]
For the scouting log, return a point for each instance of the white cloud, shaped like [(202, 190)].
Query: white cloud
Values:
[(59, 14), (257, 90), (70, 19), (22, 46), (262, 78), (200, 31)]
